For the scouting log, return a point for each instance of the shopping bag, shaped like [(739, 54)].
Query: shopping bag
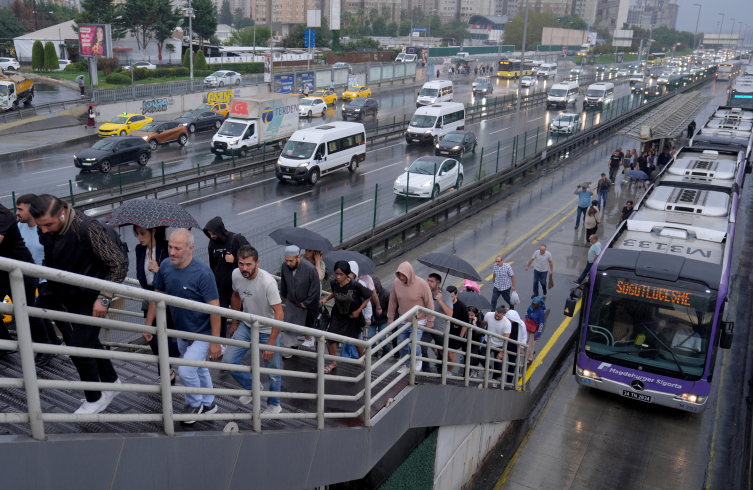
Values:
[(514, 298), (551, 281)]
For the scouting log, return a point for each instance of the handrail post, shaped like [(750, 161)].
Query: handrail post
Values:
[(486, 361), (445, 346), (468, 347), (23, 330), (255, 377), (525, 368), (320, 346), (517, 366), (503, 377), (164, 369), (367, 387), (413, 346)]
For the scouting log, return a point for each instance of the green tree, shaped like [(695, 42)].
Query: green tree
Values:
[(166, 18), (577, 22), (379, 27), (245, 37), (346, 18), (404, 14), (10, 27), (455, 29), (226, 16), (200, 63), (50, 56), (244, 22), (386, 12), (102, 12), (295, 38), (140, 16), (373, 14), (392, 29), (536, 23), (187, 59), (37, 55), (205, 21), (404, 28)]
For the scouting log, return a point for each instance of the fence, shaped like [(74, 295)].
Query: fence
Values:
[(512, 365), (36, 110)]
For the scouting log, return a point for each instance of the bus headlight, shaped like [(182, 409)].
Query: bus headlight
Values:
[(686, 397)]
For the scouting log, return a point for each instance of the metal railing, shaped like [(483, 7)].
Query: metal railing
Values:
[(513, 363), (36, 110)]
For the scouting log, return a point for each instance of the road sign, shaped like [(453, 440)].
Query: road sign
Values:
[(309, 39), (419, 29)]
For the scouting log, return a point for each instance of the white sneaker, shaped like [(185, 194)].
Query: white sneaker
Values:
[(112, 394), (309, 343), (419, 365), (245, 399), (272, 409), (94, 407), (403, 369)]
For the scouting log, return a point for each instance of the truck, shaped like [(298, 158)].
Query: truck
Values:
[(15, 90), (255, 121)]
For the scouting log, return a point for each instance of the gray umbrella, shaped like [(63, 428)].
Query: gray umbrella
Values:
[(151, 213), (302, 238), (450, 264), (637, 174), (365, 264), (474, 299)]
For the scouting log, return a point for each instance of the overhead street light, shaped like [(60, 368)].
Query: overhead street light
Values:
[(696, 26)]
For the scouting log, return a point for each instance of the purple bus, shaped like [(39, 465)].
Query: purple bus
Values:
[(651, 317)]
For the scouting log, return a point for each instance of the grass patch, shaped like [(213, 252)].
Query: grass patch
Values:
[(67, 75), (610, 58)]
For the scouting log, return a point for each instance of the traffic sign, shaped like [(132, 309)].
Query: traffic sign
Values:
[(309, 40), (419, 29)]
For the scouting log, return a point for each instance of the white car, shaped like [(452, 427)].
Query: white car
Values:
[(622, 72), (429, 176), (527, 81), (312, 106), (141, 64), (223, 77), (63, 63), (566, 123), (9, 64)]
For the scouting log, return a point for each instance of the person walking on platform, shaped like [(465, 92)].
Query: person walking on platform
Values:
[(535, 314), (255, 292), (185, 277), (664, 158), (593, 252), (223, 260), (584, 193), (626, 211), (300, 287), (542, 267), (409, 291), (504, 281), (74, 242), (593, 220), (443, 305), (518, 333), (614, 165), (602, 189), (496, 323)]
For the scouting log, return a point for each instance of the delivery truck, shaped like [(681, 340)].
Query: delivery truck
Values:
[(15, 90), (264, 119)]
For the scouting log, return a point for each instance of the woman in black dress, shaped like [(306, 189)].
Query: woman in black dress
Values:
[(459, 312), (351, 297)]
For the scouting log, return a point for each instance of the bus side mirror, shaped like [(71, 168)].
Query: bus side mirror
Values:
[(572, 302), (727, 334)]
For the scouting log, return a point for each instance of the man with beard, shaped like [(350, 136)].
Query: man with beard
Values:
[(299, 285)]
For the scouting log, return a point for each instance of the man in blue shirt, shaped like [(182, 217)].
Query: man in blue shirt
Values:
[(593, 252), (584, 194), (183, 277)]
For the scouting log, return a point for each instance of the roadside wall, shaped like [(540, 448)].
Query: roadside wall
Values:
[(385, 56)]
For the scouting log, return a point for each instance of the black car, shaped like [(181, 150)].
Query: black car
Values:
[(638, 88), (655, 91), (360, 108), (113, 151), (198, 120), (483, 85), (456, 143)]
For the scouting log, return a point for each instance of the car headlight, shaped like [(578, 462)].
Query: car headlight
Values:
[(426, 184), (304, 164), (601, 99), (145, 138), (356, 110), (397, 181), (456, 147), (437, 146), (91, 159), (427, 131), (184, 124)]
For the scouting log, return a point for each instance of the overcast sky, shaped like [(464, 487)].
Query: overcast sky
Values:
[(740, 10)]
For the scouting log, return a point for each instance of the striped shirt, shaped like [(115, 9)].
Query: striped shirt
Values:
[(503, 276)]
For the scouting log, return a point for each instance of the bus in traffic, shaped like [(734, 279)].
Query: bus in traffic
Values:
[(654, 57), (741, 95), (652, 311), (514, 69), (728, 70)]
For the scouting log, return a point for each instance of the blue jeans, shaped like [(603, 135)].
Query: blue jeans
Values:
[(375, 329), (496, 293), (577, 217), (405, 350), (585, 272), (234, 355), (603, 197), (539, 278), (193, 376)]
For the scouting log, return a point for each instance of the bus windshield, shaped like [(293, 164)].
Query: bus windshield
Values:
[(738, 99), (662, 330)]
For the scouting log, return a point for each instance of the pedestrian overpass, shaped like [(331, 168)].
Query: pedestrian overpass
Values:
[(333, 427)]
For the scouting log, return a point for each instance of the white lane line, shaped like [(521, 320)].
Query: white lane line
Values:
[(334, 214), (227, 191), (275, 202), (49, 169), (500, 130), (382, 168), (532, 120)]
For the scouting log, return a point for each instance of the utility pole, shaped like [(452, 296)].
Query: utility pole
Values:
[(522, 60), (189, 13), (696, 26)]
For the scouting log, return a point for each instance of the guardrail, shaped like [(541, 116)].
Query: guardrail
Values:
[(36, 110), (510, 366)]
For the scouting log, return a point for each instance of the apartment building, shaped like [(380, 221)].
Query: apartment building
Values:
[(511, 8), (645, 13)]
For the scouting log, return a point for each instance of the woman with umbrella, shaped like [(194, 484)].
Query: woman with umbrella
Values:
[(347, 314)]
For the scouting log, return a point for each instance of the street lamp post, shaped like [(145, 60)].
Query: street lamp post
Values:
[(696, 26), (722, 24), (739, 31), (189, 13), (428, 34), (522, 61), (733, 26)]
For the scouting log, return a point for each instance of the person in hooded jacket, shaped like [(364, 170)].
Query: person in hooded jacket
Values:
[(519, 333), (223, 260)]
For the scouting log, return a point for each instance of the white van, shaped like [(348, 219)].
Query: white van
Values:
[(434, 92), (313, 152), (562, 94), (599, 94), (406, 58), (429, 123), (547, 70)]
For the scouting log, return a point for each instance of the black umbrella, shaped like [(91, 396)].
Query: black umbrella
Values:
[(151, 213), (474, 299), (302, 238), (450, 264), (365, 264)]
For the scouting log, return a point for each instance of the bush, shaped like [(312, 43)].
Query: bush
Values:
[(243, 68), (108, 65), (77, 67), (118, 79), (200, 63), (37, 55), (186, 59), (178, 72), (160, 73), (202, 73), (50, 57), (141, 74)]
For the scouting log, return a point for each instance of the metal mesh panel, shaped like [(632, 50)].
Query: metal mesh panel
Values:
[(399, 70), (340, 75), (410, 69), (375, 74), (388, 72), (322, 78)]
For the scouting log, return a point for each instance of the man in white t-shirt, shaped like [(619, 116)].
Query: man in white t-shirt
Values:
[(255, 292), (542, 266), (496, 323)]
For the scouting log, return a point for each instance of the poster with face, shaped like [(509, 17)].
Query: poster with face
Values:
[(267, 69), (93, 39)]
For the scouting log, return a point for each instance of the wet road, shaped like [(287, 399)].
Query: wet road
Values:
[(46, 92)]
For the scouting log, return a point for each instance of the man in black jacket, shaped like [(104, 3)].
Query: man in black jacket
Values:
[(379, 318), (223, 260), (74, 242)]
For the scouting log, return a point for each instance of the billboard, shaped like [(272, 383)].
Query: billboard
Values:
[(95, 40), (283, 84), (304, 78), (567, 37), (622, 38)]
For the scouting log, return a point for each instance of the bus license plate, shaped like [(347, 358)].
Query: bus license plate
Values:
[(636, 396)]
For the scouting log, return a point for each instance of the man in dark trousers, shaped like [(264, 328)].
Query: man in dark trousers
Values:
[(223, 260), (74, 242), (300, 286), (664, 158), (615, 162)]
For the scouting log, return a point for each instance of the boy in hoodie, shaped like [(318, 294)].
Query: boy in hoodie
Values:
[(409, 291), (223, 260)]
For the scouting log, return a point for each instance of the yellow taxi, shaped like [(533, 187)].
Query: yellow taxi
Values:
[(329, 96), (356, 92), (218, 107), (123, 125)]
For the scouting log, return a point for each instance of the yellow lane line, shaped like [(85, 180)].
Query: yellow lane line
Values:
[(555, 225)]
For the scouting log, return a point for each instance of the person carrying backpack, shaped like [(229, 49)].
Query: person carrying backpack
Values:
[(74, 242)]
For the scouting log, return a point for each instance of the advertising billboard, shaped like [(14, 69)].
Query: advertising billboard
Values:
[(283, 84), (95, 40)]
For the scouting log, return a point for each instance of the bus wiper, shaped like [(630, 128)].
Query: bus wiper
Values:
[(677, 361)]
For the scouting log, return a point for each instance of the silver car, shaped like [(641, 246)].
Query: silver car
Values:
[(222, 78)]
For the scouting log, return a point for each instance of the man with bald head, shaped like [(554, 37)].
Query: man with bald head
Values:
[(183, 277)]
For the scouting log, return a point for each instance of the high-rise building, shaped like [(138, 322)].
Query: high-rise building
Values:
[(511, 8), (647, 13), (586, 9), (612, 14)]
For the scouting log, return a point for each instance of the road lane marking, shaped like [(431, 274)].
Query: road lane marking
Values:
[(532, 120), (500, 130), (226, 191), (49, 169), (382, 168), (555, 225), (275, 202), (333, 214)]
